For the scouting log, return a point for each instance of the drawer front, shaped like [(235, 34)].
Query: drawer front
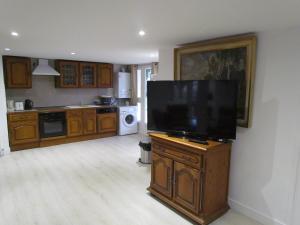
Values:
[(22, 117), (177, 154), (74, 113)]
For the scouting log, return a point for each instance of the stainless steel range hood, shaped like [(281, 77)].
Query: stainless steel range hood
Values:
[(43, 68)]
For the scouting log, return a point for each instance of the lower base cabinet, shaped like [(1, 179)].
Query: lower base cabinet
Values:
[(190, 177), (107, 122), (23, 130), (74, 123)]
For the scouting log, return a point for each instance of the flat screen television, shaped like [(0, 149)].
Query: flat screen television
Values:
[(198, 108)]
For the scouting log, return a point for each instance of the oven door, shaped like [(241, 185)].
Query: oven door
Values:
[(52, 124)]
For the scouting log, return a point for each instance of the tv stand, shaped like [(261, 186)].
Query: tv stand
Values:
[(190, 177)]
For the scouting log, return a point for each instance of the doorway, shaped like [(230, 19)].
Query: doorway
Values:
[(144, 73)]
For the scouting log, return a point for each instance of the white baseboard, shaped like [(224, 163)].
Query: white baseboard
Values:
[(253, 214)]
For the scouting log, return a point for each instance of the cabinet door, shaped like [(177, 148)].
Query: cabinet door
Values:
[(23, 132), (88, 75), (186, 186), (74, 118), (161, 174), (107, 122), (17, 72), (69, 74), (105, 75), (89, 121)]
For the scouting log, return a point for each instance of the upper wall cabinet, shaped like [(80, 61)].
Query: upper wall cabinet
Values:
[(17, 72), (105, 75), (88, 75), (69, 74)]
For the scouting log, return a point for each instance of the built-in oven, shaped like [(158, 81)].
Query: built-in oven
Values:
[(52, 124)]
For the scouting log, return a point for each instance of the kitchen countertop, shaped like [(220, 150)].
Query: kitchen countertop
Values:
[(62, 108)]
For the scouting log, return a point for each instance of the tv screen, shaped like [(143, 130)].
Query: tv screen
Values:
[(202, 108)]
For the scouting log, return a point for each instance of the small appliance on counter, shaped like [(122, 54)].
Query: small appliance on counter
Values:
[(10, 105), (19, 106), (106, 100), (28, 104)]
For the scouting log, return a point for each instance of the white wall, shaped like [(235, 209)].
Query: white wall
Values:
[(165, 69), (264, 157), (296, 205), (3, 121)]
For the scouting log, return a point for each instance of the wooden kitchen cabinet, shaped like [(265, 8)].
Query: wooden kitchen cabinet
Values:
[(190, 177), (88, 75), (81, 122), (74, 123), (17, 71), (105, 75), (89, 121), (69, 74), (23, 130), (107, 122)]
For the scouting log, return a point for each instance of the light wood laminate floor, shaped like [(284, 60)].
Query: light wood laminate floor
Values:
[(94, 182)]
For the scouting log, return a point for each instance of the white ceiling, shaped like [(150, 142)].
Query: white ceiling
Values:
[(107, 30)]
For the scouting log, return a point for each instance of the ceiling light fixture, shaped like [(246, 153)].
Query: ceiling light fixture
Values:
[(73, 53), (14, 34), (7, 49), (142, 33)]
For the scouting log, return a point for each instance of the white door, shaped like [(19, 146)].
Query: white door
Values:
[(143, 75)]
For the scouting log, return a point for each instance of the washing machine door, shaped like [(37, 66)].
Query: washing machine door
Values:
[(128, 119)]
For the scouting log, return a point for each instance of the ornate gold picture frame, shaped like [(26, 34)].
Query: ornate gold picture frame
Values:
[(229, 58)]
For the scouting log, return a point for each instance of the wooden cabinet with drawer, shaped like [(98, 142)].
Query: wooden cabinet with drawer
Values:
[(23, 130), (191, 177)]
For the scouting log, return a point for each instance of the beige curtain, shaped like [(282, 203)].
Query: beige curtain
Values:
[(133, 69)]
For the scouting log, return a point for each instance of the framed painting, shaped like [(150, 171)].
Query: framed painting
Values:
[(229, 58)]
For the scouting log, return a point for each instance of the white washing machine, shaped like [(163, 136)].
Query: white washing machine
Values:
[(128, 120)]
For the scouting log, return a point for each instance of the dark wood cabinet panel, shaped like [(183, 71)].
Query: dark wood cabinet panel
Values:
[(88, 75), (69, 74), (89, 121), (75, 123), (23, 132), (161, 174), (107, 122), (17, 72), (186, 186), (23, 128), (190, 177), (105, 75)]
